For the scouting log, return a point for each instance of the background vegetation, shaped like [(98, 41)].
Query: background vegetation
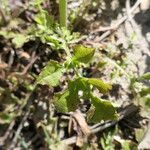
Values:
[(74, 74)]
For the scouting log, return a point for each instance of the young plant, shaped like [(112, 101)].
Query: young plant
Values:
[(69, 99), (141, 91)]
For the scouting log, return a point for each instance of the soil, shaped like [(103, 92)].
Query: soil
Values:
[(127, 52)]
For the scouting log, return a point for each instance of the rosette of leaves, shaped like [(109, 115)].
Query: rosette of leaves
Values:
[(69, 99)]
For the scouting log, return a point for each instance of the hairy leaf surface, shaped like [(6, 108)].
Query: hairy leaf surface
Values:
[(100, 85), (69, 100), (19, 40), (83, 54), (51, 74), (64, 102), (101, 110)]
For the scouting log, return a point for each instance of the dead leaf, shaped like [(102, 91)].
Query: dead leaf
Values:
[(79, 125), (77, 115), (3, 65)]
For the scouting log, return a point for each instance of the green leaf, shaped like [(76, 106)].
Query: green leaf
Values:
[(83, 54), (7, 34), (101, 64), (19, 40), (40, 19), (145, 76), (54, 41), (145, 91), (64, 102), (147, 102), (6, 117), (101, 110), (44, 19), (51, 74), (100, 85), (69, 100), (79, 84)]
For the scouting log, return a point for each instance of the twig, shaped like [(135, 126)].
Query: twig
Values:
[(29, 65), (101, 126), (104, 35), (129, 15), (7, 133), (25, 116), (14, 141), (117, 25), (25, 70), (128, 10)]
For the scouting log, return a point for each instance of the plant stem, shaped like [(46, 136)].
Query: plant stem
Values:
[(67, 51), (63, 13)]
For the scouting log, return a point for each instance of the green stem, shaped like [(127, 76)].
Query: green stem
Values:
[(67, 51), (63, 13)]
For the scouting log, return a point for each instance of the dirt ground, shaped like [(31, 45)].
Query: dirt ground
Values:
[(121, 37)]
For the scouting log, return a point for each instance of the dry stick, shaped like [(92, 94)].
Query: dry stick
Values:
[(25, 116), (129, 15), (119, 22), (101, 126), (7, 133), (25, 70), (33, 59), (29, 65), (128, 10), (14, 141)]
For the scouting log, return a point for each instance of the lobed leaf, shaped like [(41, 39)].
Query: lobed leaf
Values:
[(145, 76), (100, 85), (64, 102), (83, 54), (69, 100), (101, 110), (19, 40), (44, 19), (145, 91), (51, 74)]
